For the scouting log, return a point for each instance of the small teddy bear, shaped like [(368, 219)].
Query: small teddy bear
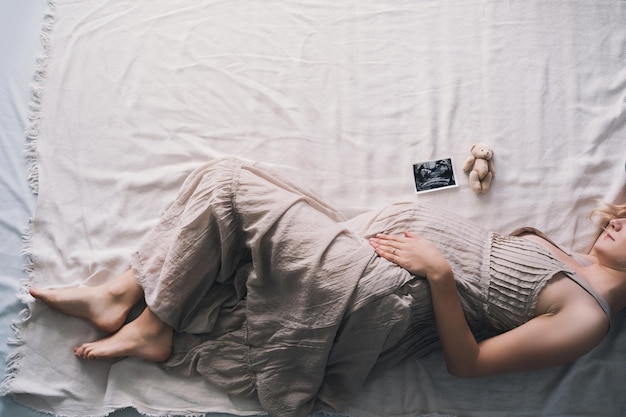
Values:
[(480, 167)]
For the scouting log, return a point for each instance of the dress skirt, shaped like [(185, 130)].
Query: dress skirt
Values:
[(268, 290)]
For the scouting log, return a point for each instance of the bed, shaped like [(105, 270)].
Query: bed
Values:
[(347, 98)]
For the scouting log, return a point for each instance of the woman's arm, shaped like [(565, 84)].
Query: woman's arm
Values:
[(457, 341), (545, 341)]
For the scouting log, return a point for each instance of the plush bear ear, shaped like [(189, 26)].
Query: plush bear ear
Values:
[(472, 147)]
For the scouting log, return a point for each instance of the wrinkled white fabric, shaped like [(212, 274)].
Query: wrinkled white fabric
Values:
[(343, 97)]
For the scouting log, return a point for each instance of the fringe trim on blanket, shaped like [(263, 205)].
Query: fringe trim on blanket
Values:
[(32, 134), (15, 356), (34, 115)]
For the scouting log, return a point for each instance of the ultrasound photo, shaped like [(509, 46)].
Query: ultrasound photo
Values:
[(434, 175)]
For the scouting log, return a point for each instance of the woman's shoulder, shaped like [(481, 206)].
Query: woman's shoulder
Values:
[(567, 298)]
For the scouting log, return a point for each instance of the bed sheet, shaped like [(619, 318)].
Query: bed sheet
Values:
[(550, 94), (20, 25)]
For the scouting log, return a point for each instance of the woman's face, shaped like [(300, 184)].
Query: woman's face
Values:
[(610, 248)]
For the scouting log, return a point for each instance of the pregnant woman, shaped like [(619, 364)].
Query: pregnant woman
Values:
[(267, 291)]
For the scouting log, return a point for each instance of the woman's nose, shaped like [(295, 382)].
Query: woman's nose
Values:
[(616, 224)]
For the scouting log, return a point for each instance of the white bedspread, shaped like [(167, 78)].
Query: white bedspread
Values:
[(344, 96)]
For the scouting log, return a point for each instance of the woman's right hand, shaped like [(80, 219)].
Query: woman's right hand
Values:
[(417, 255)]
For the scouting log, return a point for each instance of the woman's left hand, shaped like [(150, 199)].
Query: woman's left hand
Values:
[(417, 255)]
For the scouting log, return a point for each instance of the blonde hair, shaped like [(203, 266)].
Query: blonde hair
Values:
[(607, 212)]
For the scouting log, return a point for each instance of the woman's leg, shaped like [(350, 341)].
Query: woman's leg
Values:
[(147, 337), (105, 305), (196, 244)]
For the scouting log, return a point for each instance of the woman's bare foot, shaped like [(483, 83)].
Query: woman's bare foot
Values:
[(105, 305), (146, 337)]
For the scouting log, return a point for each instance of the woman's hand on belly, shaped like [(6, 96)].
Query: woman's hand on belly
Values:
[(417, 255)]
